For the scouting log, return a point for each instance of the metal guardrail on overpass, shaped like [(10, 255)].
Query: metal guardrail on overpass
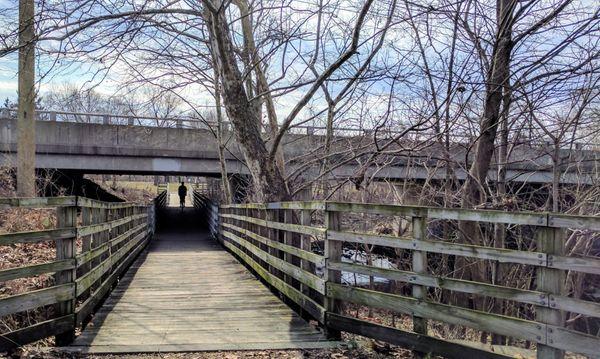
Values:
[(176, 122), (196, 123)]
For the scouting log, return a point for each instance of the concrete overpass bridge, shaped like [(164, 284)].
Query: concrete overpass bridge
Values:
[(110, 144)]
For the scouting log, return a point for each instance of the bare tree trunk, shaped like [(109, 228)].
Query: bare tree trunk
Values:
[(261, 79), (222, 159), (26, 117), (269, 184), (249, 48), (556, 176), (474, 188), (220, 142), (328, 140), (498, 77), (500, 228)]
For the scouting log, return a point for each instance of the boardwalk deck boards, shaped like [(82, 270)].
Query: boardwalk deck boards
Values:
[(187, 294)]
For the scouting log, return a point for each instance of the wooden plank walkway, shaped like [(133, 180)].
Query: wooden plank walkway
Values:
[(185, 293)]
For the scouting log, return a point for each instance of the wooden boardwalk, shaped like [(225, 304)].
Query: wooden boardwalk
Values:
[(185, 293)]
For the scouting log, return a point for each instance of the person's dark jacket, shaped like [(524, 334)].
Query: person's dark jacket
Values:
[(182, 190)]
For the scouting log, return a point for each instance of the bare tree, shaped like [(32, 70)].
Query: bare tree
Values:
[(26, 116)]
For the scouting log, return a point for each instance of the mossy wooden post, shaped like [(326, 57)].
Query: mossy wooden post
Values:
[(95, 240), (86, 242), (65, 249), (256, 213), (253, 226), (273, 234), (246, 212), (241, 224), (219, 223), (550, 241), (261, 230), (305, 220), (287, 239), (107, 215), (236, 222), (333, 253), (249, 212), (419, 265), (222, 220), (115, 231)]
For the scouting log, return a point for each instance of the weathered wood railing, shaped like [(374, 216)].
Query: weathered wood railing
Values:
[(280, 243), (209, 209), (162, 199), (95, 243)]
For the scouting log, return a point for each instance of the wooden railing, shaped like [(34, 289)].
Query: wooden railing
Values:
[(162, 199), (94, 244), (296, 248), (208, 208)]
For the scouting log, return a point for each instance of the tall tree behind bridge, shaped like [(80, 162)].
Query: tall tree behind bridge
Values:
[(269, 181), (26, 116)]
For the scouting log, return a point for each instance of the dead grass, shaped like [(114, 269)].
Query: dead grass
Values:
[(23, 254), (131, 194)]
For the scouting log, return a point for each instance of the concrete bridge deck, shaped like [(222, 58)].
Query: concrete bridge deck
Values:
[(185, 293), (128, 149)]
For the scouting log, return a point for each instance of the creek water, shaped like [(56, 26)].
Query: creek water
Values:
[(360, 257)]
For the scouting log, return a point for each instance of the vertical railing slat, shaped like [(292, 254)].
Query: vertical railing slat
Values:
[(287, 239), (550, 241)]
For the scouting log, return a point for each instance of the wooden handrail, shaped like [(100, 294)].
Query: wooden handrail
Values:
[(556, 220), (112, 234), (256, 234)]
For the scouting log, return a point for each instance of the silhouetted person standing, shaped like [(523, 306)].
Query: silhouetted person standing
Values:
[(182, 190)]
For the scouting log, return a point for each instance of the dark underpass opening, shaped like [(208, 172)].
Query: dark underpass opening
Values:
[(182, 220)]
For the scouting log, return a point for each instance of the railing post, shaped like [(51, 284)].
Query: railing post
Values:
[(305, 220), (272, 216), (550, 241), (304, 244), (419, 265), (333, 253), (106, 119), (53, 116), (287, 239), (65, 249), (151, 210), (216, 221), (105, 216), (86, 241), (130, 121)]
